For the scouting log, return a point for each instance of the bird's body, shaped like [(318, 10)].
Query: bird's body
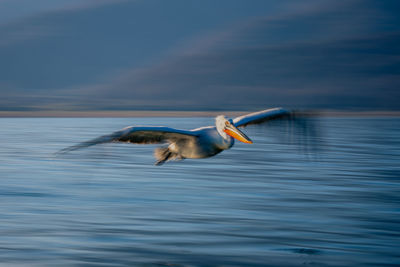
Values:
[(197, 143), (207, 142)]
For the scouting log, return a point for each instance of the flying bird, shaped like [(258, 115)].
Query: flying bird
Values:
[(202, 142)]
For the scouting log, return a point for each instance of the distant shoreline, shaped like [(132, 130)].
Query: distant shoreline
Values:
[(137, 113)]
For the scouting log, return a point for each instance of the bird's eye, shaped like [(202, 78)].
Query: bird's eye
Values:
[(227, 123)]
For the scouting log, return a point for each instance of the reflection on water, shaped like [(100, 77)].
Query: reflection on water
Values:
[(254, 205)]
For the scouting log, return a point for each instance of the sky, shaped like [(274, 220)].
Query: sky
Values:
[(199, 55)]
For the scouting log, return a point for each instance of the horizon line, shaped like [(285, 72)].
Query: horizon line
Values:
[(178, 113)]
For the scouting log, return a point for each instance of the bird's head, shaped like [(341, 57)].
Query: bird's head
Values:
[(226, 128)]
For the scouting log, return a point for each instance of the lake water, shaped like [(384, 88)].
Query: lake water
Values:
[(265, 204)]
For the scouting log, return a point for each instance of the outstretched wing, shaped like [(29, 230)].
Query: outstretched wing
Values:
[(299, 128), (139, 135), (262, 116)]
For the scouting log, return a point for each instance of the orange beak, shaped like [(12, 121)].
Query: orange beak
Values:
[(237, 134)]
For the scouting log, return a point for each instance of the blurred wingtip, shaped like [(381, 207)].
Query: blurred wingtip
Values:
[(64, 151)]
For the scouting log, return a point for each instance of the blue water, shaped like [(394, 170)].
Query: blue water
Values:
[(264, 204)]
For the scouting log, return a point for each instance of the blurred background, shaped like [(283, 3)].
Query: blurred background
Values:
[(333, 200), (70, 55)]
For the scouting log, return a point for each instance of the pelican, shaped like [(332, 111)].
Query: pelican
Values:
[(198, 143)]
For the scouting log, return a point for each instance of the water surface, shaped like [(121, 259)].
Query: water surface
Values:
[(255, 205)]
